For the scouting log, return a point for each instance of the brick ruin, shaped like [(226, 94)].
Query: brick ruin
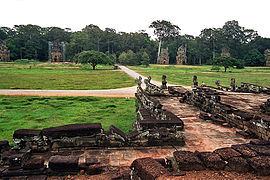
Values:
[(181, 58), (4, 52), (163, 57), (56, 52), (70, 149), (267, 57)]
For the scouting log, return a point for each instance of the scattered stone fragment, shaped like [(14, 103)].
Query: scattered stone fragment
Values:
[(187, 161), (148, 168), (238, 164), (227, 153), (212, 160), (64, 163), (244, 150)]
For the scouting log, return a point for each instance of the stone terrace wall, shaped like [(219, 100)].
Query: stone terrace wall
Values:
[(160, 126), (208, 100)]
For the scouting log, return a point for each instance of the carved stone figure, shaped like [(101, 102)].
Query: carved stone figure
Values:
[(233, 86), (267, 57), (139, 81), (181, 57), (195, 81), (164, 82), (163, 57), (217, 83), (4, 52)]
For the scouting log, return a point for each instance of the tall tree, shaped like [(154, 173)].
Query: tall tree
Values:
[(163, 30)]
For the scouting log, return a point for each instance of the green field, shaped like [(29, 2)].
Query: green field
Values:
[(183, 74), (32, 112), (61, 77)]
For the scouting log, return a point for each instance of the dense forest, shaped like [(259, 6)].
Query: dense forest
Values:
[(31, 42)]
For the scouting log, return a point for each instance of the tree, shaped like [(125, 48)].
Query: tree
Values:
[(93, 57), (227, 62), (123, 58), (163, 30), (254, 58), (145, 59)]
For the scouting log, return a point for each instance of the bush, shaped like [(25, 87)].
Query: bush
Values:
[(26, 61), (215, 68)]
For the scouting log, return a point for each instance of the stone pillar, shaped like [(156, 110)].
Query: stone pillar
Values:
[(267, 57)]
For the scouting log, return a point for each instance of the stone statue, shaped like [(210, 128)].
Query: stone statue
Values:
[(195, 81), (139, 81), (232, 84), (217, 83), (149, 79), (164, 82)]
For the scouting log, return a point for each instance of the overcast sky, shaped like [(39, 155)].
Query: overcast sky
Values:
[(130, 16)]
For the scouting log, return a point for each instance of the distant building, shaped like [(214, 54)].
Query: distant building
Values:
[(181, 58), (56, 52), (267, 57), (163, 57), (4, 52), (225, 52)]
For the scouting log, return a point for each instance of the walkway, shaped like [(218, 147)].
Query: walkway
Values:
[(121, 92)]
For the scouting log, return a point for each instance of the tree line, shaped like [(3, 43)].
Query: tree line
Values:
[(134, 48)]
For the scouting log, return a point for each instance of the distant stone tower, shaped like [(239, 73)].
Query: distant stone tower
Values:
[(267, 57), (225, 52), (56, 52), (4, 52), (163, 57), (181, 57)]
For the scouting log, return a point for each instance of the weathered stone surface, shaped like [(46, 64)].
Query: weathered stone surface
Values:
[(95, 169), (33, 164), (4, 145), (16, 158), (42, 177), (21, 133), (161, 161), (72, 130), (261, 149), (212, 160), (117, 131), (243, 115), (261, 164), (244, 150), (187, 161), (238, 164), (64, 163), (227, 153), (148, 168), (204, 116), (260, 142)]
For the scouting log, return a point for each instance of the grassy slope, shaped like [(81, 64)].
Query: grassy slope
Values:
[(183, 75), (61, 76), (31, 112)]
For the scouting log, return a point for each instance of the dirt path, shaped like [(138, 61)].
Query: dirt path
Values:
[(121, 92)]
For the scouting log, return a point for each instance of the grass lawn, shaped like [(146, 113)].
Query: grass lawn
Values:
[(32, 112), (183, 74), (61, 77)]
